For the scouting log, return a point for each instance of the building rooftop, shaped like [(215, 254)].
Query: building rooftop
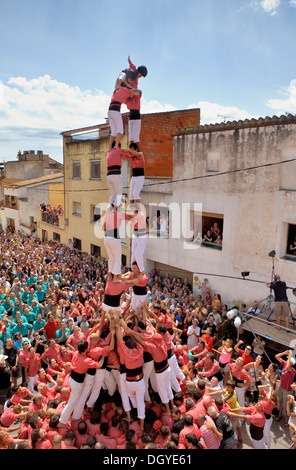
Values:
[(241, 124), (20, 183)]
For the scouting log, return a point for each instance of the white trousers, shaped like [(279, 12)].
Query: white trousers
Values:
[(84, 394), (124, 396), (110, 382), (136, 392), (107, 309), (113, 248), (136, 185), (148, 369), (31, 383), (138, 250), (134, 129), (163, 381), (116, 123), (96, 389), (137, 301), (115, 185), (176, 373), (267, 436), (76, 389), (259, 444)]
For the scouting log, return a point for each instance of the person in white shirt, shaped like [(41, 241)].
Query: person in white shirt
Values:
[(193, 333)]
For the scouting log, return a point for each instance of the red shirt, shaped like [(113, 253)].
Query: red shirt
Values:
[(33, 365), (81, 363), (51, 353), (256, 417), (8, 417), (18, 397), (113, 219), (209, 340), (133, 358), (114, 157), (116, 288), (121, 94), (51, 327), (137, 161)]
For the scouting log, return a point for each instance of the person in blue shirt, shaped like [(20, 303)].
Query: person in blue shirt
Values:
[(62, 334), (2, 310), (35, 307), (31, 281), (8, 305), (8, 325), (16, 308), (23, 328), (18, 341), (39, 324), (40, 294), (29, 314)]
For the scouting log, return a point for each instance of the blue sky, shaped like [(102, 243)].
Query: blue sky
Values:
[(234, 59)]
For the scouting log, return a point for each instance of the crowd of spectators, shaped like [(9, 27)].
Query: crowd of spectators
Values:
[(51, 214), (51, 300)]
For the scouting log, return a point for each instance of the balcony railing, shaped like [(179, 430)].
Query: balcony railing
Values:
[(11, 205), (51, 217)]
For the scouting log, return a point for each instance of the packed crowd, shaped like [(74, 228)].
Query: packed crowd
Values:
[(75, 375)]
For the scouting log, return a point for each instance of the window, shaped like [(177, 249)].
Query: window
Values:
[(77, 243), (56, 237), (77, 208), (95, 250), (212, 230), (159, 222), (11, 201), (95, 169), (207, 229), (123, 260), (291, 241), (44, 236), (95, 213), (76, 170)]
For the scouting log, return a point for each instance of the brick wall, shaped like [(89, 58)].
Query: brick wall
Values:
[(157, 133)]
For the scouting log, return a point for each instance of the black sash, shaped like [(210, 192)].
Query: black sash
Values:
[(77, 377), (114, 170), (134, 375), (115, 106), (112, 300), (134, 114), (140, 290), (147, 356), (138, 172), (256, 433), (161, 366)]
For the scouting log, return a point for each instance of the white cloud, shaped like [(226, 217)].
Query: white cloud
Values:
[(292, 3), (211, 113), (33, 113), (270, 6), (286, 104)]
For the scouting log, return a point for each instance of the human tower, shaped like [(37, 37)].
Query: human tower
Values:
[(126, 92)]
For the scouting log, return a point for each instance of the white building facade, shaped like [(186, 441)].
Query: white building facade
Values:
[(240, 177)]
